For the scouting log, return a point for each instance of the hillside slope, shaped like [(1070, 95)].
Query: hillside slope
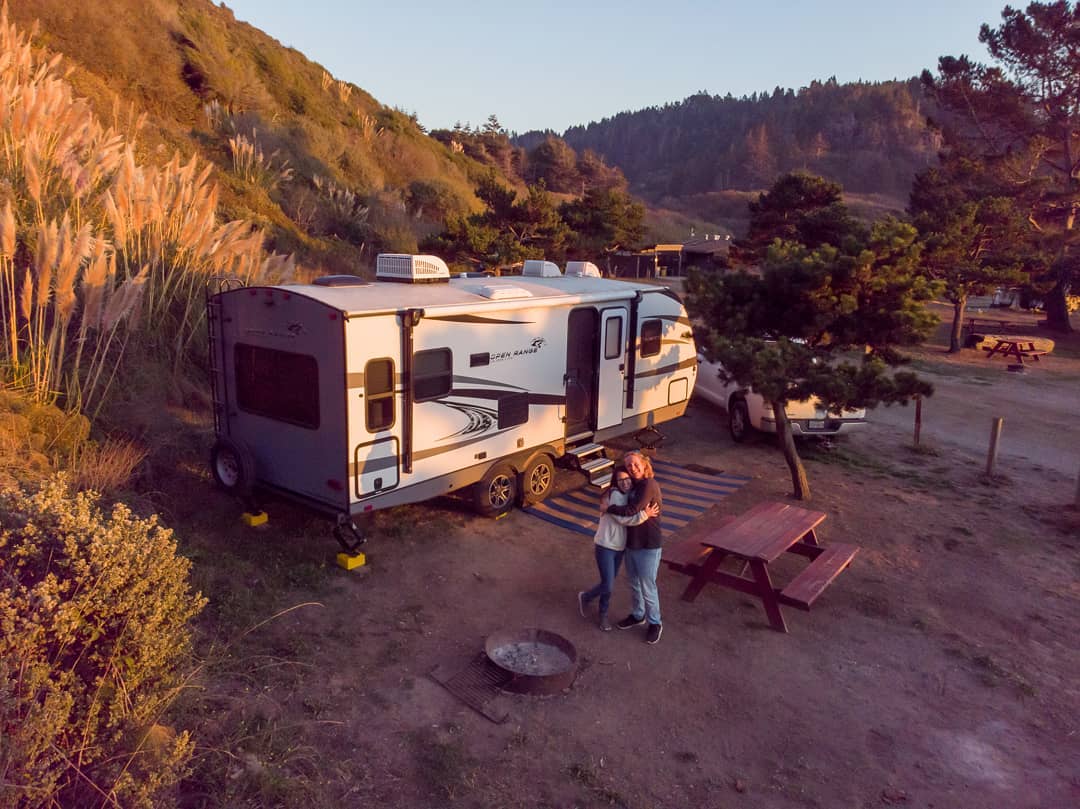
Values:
[(331, 172)]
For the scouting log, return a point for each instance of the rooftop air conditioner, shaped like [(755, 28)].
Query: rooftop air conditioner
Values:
[(408, 269), (538, 268), (582, 269)]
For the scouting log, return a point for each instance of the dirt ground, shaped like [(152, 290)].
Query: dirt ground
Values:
[(939, 671)]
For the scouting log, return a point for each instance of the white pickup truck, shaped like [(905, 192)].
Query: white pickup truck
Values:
[(748, 410)]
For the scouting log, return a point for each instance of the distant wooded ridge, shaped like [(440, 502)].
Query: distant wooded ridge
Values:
[(872, 138)]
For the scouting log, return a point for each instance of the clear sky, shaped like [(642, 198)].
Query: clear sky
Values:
[(556, 63)]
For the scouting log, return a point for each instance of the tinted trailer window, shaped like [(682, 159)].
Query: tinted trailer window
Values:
[(279, 385)]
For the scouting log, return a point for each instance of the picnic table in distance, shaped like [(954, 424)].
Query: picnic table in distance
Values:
[(1016, 346), (758, 537)]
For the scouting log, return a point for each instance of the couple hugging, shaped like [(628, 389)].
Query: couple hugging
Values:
[(629, 528)]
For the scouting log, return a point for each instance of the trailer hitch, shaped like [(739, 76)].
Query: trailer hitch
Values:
[(350, 535)]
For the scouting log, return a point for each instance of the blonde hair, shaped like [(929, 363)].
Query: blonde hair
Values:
[(644, 460)]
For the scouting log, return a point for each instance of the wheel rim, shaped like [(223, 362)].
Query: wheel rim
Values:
[(228, 469), (501, 491), (738, 422), (540, 479)]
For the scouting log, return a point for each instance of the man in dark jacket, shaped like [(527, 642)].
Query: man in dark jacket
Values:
[(642, 547)]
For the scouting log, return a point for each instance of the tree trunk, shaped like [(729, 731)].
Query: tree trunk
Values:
[(955, 336), (799, 484), (1057, 313)]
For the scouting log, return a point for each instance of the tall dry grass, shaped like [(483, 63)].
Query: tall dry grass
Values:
[(253, 166), (100, 256)]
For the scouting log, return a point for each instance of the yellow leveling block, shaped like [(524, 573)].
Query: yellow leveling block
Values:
[(251, 520), (351, 561)]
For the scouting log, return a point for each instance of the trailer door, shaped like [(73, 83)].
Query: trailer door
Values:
[(612, 367), (581, 365)]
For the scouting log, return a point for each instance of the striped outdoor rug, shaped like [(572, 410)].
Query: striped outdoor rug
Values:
[(687, 495)]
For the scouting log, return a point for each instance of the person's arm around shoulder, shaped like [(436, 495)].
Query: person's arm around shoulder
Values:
[(638, 500)]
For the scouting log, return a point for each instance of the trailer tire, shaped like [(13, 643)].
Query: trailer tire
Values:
[(494, 494), (738, 420), (233, 467), (537, 480)]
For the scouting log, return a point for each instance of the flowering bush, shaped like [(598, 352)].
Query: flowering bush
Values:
[(94, 612)]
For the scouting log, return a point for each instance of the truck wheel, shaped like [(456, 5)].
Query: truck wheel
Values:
[(494, 495), (232, 466), (537, 480), (738, 420)]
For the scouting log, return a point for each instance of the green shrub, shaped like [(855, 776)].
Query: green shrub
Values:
[(94, 613)]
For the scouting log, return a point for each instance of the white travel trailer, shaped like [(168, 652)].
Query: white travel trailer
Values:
[(355, 396)]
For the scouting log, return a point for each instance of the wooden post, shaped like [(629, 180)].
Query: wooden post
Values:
[(918, 418), (995, 434)]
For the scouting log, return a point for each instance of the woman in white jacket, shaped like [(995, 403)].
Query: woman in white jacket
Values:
[(610, 542)]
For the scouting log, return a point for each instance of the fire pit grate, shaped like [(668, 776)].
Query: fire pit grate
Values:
[(475, 685)]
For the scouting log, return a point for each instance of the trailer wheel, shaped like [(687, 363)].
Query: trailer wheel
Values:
[(738, 420), (232, 466), (537, 480), (494, 495)]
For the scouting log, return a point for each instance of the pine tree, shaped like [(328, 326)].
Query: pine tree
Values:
[(1022, 114)]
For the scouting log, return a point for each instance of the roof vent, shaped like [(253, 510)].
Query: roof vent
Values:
[(411, 269), (538, 268), (582, 269), (341, 281), (504, 293)]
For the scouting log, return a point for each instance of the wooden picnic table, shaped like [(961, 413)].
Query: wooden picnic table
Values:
[(758, 537), (1020, 348)]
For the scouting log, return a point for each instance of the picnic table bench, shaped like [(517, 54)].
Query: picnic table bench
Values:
[(758, 537)]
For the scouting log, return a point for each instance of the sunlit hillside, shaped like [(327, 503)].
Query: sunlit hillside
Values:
[(332, 173)]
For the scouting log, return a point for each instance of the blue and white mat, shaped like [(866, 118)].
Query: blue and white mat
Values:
[(687, 495)]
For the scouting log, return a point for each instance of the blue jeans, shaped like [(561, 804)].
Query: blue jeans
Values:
[(607, 562), (642, 565)]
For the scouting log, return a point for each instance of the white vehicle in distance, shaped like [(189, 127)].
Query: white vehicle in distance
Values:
[(749, 411)]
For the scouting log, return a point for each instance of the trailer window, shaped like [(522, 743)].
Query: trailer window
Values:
[(650, 337), (432, 374), (613, 338), (379, 395), (279, 385)]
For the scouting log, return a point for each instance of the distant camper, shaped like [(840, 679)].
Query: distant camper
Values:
[(354, 396)]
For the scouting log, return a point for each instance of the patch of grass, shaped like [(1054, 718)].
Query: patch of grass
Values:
[(842, 456), (873, 605), (588, 777), (992, 674), (443, 763)]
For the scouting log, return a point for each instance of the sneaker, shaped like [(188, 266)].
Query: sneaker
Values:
[(582, 603), (605, 624), (630, 621), (652, 635)]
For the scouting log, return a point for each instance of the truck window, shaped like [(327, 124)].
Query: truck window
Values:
[(278, 385), (651, 330), (433, 374), (379, 395)]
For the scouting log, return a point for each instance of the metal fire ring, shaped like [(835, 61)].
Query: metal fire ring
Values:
[(536, 661)]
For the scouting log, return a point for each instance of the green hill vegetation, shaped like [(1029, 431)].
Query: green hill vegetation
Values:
[(699, 155)]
